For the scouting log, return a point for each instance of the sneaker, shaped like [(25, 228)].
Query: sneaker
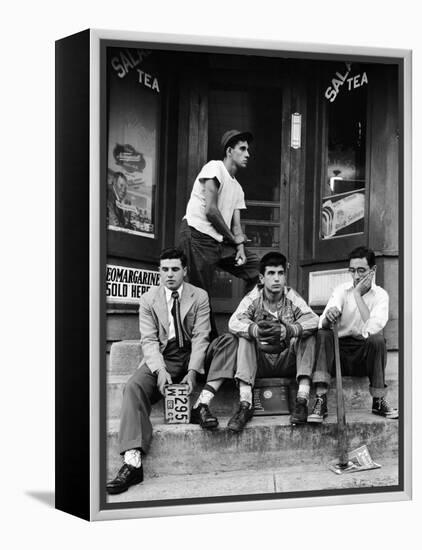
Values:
[(320, 411), (243, 415), (128, 475), (203, 416), (381, 407), (300, 413)]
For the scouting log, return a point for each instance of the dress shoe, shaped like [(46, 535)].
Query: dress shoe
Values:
[(300, 412), (128, 475), (320, 410), (381, 407), (239, 420), (203, 416)]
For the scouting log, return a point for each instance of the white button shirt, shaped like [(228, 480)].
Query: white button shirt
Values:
[(172, 332), (350, 322)]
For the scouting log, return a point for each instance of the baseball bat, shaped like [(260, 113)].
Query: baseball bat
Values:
[(341, 413)]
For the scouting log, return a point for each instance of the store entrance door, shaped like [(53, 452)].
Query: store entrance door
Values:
[(253, 103)]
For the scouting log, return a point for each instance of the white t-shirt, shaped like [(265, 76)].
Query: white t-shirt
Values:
[(230, 198)]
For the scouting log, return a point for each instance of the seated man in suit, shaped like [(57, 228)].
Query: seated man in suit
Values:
[(174, 322), (360, 310), (274, 328)]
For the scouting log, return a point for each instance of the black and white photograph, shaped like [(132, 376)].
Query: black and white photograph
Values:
[(253, 286), (211, 275)]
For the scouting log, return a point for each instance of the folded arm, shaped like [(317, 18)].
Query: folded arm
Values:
[(378, 317)]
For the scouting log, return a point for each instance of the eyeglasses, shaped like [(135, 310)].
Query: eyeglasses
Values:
[(359, 270)]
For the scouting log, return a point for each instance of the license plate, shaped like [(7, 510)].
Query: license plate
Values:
[(176, 404)]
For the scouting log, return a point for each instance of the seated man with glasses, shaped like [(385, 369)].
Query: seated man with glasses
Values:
[(360, 310)]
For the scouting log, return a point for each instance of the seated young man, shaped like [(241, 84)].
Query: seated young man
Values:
[(360, 310), (174, 322), (274, 330)]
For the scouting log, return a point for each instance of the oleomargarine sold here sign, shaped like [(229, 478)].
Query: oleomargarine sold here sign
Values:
[(127, 284)]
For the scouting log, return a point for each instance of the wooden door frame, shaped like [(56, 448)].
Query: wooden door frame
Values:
[(193, 146)]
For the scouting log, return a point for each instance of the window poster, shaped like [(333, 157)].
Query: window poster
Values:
[(344, 185), (133, 139)]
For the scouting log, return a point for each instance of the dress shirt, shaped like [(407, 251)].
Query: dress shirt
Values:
[(351, 322), (172, 332)]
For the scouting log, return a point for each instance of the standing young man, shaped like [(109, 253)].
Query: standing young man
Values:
[(360, 310), (211, 233), (275, 330)]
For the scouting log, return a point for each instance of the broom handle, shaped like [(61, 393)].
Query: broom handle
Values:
[(341, 413)]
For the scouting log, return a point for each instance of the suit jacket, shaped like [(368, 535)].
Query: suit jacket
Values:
[(154, 325)]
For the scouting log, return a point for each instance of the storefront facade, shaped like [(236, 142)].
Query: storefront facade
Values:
[(323, 175)]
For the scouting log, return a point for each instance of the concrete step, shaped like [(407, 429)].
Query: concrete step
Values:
[(270, 442), (126, 355), (305, 477), (355, 390)]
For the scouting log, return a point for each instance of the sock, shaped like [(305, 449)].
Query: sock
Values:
[(205, 396), (133, 458), (321, 389), (304, 388), (245, 391)]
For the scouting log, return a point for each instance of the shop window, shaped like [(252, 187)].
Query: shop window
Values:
[(262, 235), (134, 118), (344, 186)]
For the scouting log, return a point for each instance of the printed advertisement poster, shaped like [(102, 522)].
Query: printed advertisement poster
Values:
[(133, 134)]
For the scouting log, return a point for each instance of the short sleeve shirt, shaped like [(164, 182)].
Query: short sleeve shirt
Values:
[(230, 198)]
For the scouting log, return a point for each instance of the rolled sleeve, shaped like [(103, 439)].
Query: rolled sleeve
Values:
[(336, 300), (210, 171)]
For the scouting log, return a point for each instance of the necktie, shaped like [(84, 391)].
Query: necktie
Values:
[(175, 311)]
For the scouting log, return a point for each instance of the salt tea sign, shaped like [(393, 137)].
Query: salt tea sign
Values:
[(339, 80)]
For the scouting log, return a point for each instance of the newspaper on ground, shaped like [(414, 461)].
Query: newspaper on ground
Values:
[(359, 460)]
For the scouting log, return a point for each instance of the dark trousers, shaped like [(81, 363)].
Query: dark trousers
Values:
[(358, 357), (222, 357), (204, 254), (141, 391), (244, 361)]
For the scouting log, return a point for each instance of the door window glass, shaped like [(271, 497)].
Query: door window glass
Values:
[(344, 181)]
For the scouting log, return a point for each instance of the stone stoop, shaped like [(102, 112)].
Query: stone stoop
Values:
[(266, 442), (269, 452)]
